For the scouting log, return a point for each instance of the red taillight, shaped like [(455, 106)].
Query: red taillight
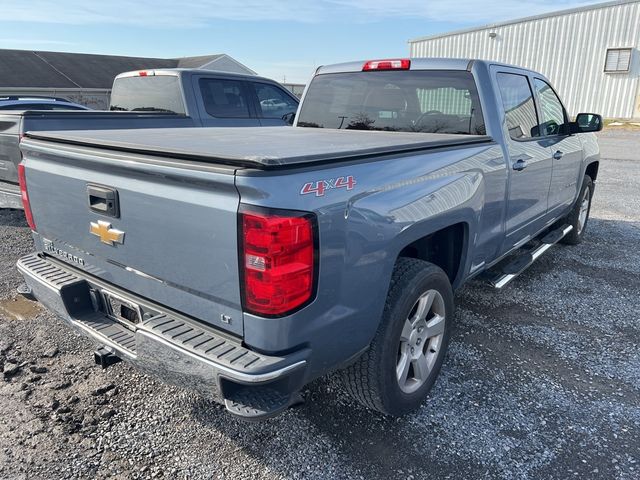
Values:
[(277, 261), (142, 73), (395, 64), (25, 197)]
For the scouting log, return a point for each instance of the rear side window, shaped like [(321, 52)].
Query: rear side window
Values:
[(274, 103), (405, 101), (552, 119), (154, 93), (224, 98), (520, 110)]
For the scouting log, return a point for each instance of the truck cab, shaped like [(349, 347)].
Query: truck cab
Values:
[(212, 99)]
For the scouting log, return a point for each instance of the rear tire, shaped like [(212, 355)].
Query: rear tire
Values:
[(579, 216), (396, 373)]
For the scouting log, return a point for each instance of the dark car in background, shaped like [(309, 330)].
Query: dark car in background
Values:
[(38, 103)]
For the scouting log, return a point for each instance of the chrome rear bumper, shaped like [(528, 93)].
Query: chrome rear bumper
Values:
[(178, 350)]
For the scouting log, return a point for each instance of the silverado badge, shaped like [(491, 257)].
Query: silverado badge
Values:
[(107, 235)]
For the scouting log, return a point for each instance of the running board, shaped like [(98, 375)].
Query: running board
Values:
[(525, 260)]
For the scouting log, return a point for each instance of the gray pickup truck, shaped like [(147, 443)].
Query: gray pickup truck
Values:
[(244, 263), (169, 98)]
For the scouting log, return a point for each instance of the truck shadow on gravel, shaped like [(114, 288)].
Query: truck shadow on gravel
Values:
[(367, 444), (12, 218), (539, 381)]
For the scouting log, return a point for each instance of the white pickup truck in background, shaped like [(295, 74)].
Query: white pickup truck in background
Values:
[(172, 98)]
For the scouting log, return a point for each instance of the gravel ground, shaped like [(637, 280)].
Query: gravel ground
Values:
[(542, 381)]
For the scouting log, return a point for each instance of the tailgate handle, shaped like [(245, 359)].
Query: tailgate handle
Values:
[(103, 200)]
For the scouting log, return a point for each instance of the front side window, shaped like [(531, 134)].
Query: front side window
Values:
[(224, 98), (405, 101), (518, 104), (274, 103), (552, 119)]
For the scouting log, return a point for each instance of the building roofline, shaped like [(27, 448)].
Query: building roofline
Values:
[(31, 50), (227, 57), (557, 13)]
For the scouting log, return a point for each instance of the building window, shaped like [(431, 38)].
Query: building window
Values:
[(618, 60)]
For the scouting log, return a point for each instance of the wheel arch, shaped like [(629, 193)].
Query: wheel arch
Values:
[(592, 170), (445, 247)]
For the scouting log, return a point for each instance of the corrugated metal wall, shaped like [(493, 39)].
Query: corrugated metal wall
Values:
[(569, 49)]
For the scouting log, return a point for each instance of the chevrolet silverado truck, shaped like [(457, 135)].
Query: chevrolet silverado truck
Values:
[(245, 263), (168, 98)]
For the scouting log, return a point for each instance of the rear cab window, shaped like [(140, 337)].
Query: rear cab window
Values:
[(152, 93), (224, 98), (405, 101)]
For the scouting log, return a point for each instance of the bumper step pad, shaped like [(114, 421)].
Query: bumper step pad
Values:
[(258, 403), (212, 346)]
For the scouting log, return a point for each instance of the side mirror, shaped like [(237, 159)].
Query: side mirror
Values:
[(586, 122), (288, 118)]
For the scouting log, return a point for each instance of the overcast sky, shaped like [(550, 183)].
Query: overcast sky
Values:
[(279, 39)]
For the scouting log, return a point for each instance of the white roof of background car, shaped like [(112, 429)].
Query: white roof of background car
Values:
[(20, 98), (190, 71)]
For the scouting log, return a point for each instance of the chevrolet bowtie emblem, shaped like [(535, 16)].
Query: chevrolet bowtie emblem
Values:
[(107, 235)]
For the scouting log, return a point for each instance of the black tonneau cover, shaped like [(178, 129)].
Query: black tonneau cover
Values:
[(260, 147)]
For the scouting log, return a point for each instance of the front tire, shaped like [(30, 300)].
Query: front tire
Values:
[(396, 373), (579, 216)]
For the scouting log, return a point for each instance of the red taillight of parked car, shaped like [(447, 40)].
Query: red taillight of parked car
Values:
[(22, 179), (392, 64), (278, 260)]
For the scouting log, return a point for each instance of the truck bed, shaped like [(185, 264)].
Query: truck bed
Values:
[(260, 147), (13, 123)]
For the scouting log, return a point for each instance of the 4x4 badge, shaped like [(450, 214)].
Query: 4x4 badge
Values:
[(107, 235), (321, 186)]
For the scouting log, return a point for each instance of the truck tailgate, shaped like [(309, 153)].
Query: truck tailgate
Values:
[(173, 239)]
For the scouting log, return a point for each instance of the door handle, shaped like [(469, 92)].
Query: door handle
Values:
[(558, 155), (103, 200), (519, 165)]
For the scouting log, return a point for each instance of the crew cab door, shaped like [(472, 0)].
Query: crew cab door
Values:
[(566, 149), (529, 157), (224, 102)]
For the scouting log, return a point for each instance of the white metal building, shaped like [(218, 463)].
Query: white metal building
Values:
[(591, 54)]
